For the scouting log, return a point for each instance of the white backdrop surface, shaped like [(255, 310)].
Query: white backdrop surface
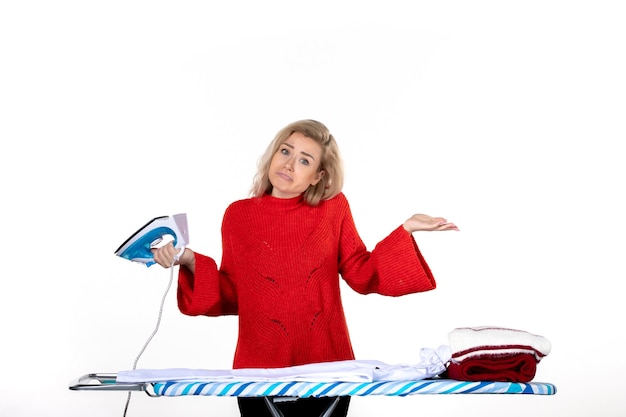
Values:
[(505, 117)]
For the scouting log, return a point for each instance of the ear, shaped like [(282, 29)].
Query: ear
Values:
[(318, 176)]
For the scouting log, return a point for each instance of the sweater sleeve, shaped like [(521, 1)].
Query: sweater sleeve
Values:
[(208, 292), (395, 267)]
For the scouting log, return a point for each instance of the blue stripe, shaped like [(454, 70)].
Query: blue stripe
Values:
[(418, 387), (330, 388), (514, 388), (389, 388), (166, 386), (187, 388), (256, 388), (358, 388), (270, 389), (199, 389), (212, 387), (286, 388), (157, 387), (401, 390), (241, 388), (224, 391), (311, 391), (471, 389), (368, 391)]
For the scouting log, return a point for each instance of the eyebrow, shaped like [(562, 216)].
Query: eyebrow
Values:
[(303, 153)]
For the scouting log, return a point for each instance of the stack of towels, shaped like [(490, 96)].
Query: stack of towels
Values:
[(489, 353)]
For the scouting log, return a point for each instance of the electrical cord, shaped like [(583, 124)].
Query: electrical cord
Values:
[(158, 323)]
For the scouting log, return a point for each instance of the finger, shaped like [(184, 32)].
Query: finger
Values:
[(449, 226)]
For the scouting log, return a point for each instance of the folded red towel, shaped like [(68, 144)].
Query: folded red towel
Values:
[(489, 353), (519, 367)]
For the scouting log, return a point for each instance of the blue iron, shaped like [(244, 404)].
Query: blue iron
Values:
[(137, 248)]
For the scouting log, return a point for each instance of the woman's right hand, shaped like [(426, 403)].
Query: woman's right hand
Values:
[(166, 256)]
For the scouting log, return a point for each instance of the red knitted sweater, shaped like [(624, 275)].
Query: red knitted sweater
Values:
[(280, 269)]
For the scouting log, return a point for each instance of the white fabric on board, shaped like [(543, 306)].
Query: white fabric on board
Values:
[(433, 362)]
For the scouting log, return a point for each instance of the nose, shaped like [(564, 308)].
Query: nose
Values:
[(289, 164)]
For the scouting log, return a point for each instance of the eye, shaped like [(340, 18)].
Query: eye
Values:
[(284, 151), (304, 161)]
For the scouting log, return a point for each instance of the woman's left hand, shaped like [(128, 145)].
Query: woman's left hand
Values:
[(424, 222)]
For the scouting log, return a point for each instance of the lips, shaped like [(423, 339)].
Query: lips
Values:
[(284, 176)]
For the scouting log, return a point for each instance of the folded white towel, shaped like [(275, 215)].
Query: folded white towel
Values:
[(433, 362), (469, 342)]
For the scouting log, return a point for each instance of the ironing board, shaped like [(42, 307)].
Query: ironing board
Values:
[(273, 391), (107, 382)]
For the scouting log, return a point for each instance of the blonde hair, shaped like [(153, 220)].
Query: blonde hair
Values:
[(332, 181)]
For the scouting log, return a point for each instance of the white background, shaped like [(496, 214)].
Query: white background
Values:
[(506, 117)]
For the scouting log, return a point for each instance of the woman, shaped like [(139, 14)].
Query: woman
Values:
[(283, 252)]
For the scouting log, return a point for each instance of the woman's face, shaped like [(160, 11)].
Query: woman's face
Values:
[(295, 166)]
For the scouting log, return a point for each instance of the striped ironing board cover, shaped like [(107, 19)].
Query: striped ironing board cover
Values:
[(329, 389)]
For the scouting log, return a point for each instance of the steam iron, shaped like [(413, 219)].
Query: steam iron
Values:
[(137, 248)]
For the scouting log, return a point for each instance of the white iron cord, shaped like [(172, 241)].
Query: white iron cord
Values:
[(158, 323)]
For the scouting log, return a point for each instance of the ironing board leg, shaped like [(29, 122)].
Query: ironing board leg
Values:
[(273, 410), (331, 408), (277, 413)]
